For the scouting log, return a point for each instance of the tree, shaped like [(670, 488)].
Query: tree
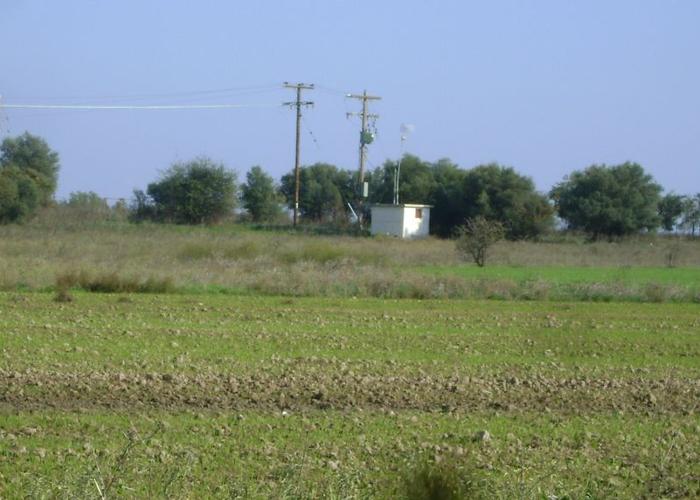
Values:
[(447, 200), (195, 192), (670, 210), (492, 191), (32, 156), (323, 194), (501, 194), (19, 195), (88, 206), (609, 201), (28, 172), (416, 181), (691, 213), (476, 236), (260, 196)]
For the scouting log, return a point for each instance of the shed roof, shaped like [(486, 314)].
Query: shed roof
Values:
[(401, 205)]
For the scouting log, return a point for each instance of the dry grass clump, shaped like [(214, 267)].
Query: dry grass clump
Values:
[(63, 286), (110, 283)]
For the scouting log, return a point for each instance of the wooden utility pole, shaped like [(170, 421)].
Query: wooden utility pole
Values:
[(298, 104), (365, 138), (364, 134)]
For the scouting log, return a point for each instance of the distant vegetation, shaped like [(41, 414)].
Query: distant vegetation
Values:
[(55, 250), (195, 192), (28, 176), (601, 201)]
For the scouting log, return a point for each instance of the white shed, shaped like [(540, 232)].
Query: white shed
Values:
[(404, 221)]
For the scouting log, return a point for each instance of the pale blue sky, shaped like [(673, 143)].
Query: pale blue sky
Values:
[(545, 86)]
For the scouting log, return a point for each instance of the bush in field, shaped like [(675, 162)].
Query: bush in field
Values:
[(476, 236), (609, 201), (197, 192), (260, 196), (28, 176)]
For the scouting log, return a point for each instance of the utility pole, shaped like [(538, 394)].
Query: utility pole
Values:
[(298, 104), (365, 138)]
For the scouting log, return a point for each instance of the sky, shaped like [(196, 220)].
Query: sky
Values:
[(544, 86)]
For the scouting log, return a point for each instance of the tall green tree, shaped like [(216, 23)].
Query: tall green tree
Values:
[(448, 202), (28, 176), (609, 201), (499, 193), (19, 195), (196, 192), (260, 196), (670, 210), (690, 219), (32, 156), (324, 192), (416, 182)]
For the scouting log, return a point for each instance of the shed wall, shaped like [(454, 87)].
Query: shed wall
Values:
[(400, 221), (387, 220), (414, 227)]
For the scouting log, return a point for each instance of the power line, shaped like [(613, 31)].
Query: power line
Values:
[(227, 90), (311, 132), (131, 106), (298, 103)]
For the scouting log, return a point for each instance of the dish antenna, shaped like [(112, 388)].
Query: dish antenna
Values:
[(406, 129)]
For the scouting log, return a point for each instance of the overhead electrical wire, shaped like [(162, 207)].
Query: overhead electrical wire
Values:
[(136, 97), (132, 106)]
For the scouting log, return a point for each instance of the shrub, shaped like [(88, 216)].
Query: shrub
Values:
[(476, 236)]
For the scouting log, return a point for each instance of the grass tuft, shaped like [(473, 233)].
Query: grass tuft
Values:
[(111, 283)]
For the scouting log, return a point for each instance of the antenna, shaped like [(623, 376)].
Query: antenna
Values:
[(405, 129)]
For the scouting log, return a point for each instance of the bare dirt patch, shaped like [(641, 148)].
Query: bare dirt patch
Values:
[(301, 386)]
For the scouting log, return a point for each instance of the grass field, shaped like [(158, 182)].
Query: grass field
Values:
[(566, 275), (202, 395), (237, 260)]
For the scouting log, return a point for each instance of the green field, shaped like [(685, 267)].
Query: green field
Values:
[(566, 275), (195, 396)]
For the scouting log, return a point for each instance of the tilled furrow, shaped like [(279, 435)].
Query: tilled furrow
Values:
[(314, 389)]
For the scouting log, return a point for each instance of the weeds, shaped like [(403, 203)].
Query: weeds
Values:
[(439, 481), (110, 283), (233, 259), (63, 286)]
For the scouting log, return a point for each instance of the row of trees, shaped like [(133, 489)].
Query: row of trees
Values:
[(602, 201)]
